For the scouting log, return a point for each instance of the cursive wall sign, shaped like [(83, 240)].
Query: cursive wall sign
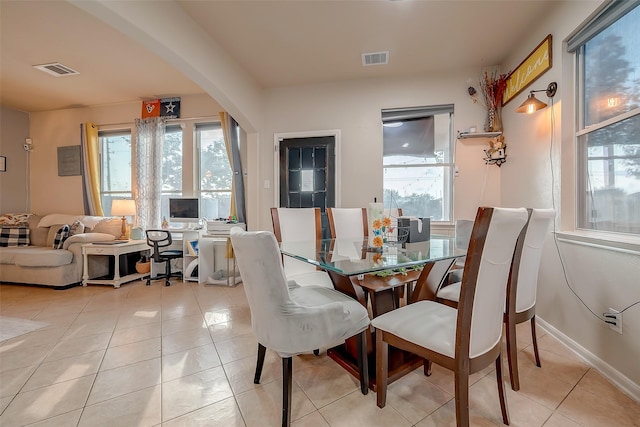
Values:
[(529, 70)]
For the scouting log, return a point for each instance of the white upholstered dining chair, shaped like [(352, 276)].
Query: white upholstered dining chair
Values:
[(290, 319), (523, 284), (300, 225), (468, 339), (347, 223)]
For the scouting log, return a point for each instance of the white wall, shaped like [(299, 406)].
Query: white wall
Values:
[(354, 107), (50, 130), (14, 129), (602, 277)]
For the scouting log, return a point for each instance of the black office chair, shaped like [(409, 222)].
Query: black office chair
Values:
[(159, 239)]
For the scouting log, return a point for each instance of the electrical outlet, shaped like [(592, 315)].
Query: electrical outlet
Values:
[(615, 317)]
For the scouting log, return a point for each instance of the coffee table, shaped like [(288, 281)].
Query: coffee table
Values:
[(115, 250)]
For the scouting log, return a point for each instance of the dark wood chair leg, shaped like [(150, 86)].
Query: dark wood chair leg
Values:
[(363, 361), (502, 394), (410, 287), (512, 354), (382, 369), (535, 341), (287, 374), (262, 350), (462, 398), (426, 366)]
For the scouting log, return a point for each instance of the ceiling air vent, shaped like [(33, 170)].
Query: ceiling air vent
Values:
[(56, 69), (375, 58)]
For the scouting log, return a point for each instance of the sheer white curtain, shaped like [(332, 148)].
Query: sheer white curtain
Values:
[(149, 141)]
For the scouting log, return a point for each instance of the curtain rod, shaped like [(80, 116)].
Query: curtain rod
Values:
[(168, 120)]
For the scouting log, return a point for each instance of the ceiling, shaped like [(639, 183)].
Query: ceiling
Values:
[(279, 43)]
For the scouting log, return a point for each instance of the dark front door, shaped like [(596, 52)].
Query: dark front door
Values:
[(307, 174)]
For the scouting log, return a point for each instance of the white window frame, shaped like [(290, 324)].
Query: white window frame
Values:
[(198, 191), (191, 186), (114, 194), (607, 16), (571, 130), (400, 113)]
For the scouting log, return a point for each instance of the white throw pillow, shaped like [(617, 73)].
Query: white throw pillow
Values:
[(53, 219), (111, 226), (90, 221)]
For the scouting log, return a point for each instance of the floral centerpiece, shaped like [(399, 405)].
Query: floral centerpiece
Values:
[(381, 231)]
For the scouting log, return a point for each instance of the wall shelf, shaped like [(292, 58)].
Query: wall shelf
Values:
[(469, 135)]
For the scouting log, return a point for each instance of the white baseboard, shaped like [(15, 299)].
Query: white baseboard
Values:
[(623, 383)]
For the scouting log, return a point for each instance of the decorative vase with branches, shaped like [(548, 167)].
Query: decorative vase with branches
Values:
[(492, 87)]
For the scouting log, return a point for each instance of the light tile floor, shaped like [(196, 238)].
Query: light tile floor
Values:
[(184, 355)]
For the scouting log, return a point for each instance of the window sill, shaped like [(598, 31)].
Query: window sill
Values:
[(601, 240)]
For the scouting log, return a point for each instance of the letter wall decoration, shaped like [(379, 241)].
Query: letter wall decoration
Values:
[(534, 65)]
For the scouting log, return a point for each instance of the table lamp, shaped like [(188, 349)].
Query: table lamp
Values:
[(123, 207)]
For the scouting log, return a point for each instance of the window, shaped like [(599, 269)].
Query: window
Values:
[(115, 167), (608, 133), (206, 174), (418, 161), (215, 172)]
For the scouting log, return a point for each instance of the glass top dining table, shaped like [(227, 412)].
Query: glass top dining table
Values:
[(350, 257), (349, 260)]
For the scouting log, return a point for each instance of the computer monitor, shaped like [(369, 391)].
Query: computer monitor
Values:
[(184, 209)]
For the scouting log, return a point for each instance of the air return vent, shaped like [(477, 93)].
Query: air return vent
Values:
[(375, 58), (56, 69)]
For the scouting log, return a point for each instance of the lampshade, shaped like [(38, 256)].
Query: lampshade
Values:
[(123, 207), (533, 104)]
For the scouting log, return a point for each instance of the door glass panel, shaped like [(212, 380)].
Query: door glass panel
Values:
[(294, 158), (294, 200), (307, 180), (320, 200), (320, 178), (307, 158), (320, 157), (294, 180), (306, 199)]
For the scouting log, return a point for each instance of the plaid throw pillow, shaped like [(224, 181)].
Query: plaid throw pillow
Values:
[(61, 235), (10, 236)]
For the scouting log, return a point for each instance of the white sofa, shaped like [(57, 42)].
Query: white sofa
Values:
[(40, 264)]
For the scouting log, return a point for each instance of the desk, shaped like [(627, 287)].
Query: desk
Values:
[(114, 250), (347, 260), (210, 257)]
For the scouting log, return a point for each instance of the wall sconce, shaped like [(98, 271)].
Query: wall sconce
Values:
[(533, 104)]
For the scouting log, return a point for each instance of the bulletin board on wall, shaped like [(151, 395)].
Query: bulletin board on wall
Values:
[(69, 161)]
